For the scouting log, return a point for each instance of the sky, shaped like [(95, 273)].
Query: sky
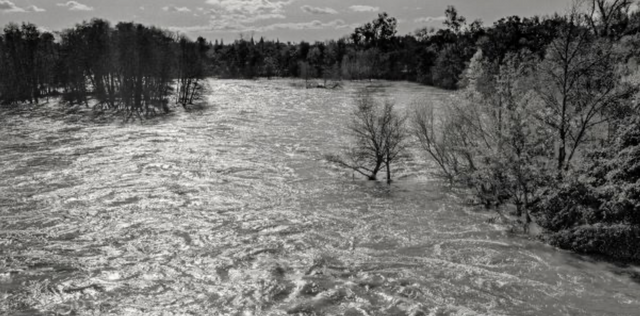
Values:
[(286, 20)]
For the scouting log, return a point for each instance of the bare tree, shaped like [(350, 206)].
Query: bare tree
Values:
[(190, 71), (577, 82), (379, 135), (451, 132), (435, 139), (607, 18), (490, 141), (394, 134)]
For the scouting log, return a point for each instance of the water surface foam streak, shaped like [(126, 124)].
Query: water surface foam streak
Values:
[(232, 211)]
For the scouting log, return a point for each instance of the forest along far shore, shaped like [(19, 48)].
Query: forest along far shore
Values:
[(542, 126)]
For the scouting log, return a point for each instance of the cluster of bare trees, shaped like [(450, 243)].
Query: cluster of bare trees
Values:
[(27, 62), (191, 69), (126, 68), (129, 67), (523, 119)]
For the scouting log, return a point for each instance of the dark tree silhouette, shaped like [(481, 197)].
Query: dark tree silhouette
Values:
[(379, 136)]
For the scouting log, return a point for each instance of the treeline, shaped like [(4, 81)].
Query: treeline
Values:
[(372, 51), (376, 51), (551, 130), (134, 67), (129, 67)]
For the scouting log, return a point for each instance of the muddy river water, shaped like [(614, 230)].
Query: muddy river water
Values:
[(232, 210)]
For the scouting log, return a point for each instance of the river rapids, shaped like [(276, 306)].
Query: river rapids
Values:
[(232, 210)]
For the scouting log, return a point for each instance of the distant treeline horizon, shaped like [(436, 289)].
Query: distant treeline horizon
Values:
[(131, 64)]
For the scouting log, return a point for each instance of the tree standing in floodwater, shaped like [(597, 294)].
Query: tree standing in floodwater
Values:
[(379, 135)]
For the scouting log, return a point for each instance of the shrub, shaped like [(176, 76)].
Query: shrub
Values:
[(616, 241)]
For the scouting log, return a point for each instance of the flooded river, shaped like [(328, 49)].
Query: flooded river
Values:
[(231, 210)]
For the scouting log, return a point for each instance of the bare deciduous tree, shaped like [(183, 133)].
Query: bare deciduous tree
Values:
[(577, 83), (442, 139), (379, 138), (190, 70), (607, 18)]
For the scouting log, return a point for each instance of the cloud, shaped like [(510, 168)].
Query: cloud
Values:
[(238, 27), (250, 6), (33, 8), (317, 10), (239, 15), (243, 15), (75, 6), (8, 6), (173, 8), (313, 25), (364, 8), (246, 11), (430, 19)]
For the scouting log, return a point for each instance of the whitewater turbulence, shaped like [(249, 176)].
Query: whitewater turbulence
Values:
[(232, 210)]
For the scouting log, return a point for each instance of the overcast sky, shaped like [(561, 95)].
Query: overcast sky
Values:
[(287, 20)]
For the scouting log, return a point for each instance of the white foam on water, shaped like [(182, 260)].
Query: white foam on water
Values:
[(232, 210)]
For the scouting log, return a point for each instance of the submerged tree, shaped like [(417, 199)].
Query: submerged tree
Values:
[(379, 136), (490, 140), (190, 70), (26, 58)]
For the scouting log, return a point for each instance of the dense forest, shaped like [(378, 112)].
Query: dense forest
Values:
[(545, 117)]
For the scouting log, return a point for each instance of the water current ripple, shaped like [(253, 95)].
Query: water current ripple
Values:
[(232, 211)]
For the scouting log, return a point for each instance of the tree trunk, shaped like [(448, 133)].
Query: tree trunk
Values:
[(562, 152), (388, 165), (374, 173), (518, 209), (526, 208)]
